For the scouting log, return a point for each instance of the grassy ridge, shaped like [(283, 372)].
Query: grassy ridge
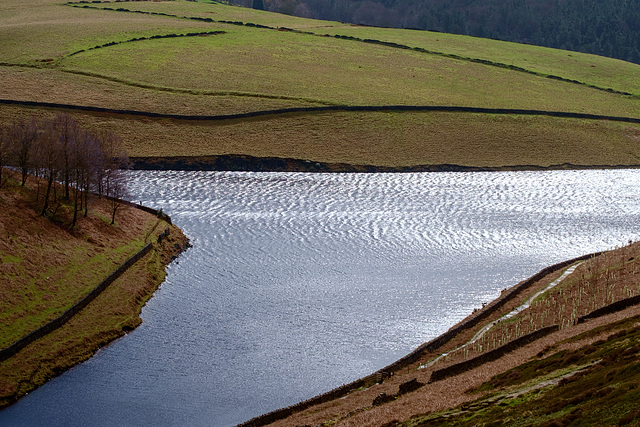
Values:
[(590, 69), (251, 68)]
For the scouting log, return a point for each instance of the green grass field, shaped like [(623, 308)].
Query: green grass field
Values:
[(56, 53), (591, 69)]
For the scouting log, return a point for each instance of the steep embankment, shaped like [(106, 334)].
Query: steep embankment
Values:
[(47, 268), (229, 68), (556, 348)]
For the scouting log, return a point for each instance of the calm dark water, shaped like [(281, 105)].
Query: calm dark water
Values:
[(298, 283)]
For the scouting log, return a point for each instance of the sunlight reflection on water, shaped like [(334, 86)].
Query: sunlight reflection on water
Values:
[(298, 283)]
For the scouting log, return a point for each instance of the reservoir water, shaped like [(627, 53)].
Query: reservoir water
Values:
[(298, 283)]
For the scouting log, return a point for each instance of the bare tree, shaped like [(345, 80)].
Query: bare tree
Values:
[(60, 149), (114, 159), (49, 158), (94, 164), (79, 168), (23, 136), (68, 131), (117, 191), (113, 182), (5, 152)]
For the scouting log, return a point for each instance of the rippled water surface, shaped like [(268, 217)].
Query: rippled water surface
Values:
[(298, 283)]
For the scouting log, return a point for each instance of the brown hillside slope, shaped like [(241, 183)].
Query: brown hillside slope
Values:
[(47, 267), (587, 368)]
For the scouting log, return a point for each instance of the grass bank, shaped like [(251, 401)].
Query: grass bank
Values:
[(47, 267), (380, 139)]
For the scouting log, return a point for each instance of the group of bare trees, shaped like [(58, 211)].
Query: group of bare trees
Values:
[(69, 161)]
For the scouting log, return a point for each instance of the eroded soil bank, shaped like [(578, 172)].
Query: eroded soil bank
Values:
[(246, 163)]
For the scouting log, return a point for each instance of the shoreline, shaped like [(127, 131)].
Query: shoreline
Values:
[(464, 383), (246, 163), (88, 347), (107, 312), (429, 347)]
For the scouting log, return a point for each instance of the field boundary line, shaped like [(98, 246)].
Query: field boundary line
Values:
[(324, 109)]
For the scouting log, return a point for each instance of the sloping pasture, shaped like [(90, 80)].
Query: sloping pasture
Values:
[(201, 58)]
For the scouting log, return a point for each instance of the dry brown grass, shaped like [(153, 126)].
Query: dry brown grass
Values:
[(385, 139), (47, 267), (452, 392)]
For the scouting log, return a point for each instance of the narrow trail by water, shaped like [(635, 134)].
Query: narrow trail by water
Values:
[(526, 304)]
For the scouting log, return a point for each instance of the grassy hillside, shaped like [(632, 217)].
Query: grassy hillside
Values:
[(47, 267), (603, 27), (203, 58)]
